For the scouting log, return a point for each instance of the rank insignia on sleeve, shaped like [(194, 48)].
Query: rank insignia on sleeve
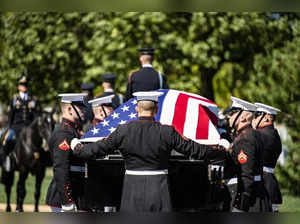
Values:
[(242, 157), (64, 145)]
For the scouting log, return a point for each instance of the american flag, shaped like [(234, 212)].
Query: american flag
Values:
[(193, 116)]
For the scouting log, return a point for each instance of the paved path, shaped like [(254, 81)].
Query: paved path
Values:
[(26, 207)]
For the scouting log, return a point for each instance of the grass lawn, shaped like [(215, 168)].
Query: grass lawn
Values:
[(290, 203), (30, 182)]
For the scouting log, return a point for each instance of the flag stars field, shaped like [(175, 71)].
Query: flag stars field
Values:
[(115, 115), (132, 115), (105, 123), (125, 108), (95, 130)]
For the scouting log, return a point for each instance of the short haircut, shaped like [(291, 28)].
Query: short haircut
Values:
[(147, 106), (147, 58)]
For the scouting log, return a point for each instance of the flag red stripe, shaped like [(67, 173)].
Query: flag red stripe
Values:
[(203, 124), (180, 112)]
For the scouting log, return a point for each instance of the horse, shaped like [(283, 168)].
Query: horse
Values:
[(31, 156)]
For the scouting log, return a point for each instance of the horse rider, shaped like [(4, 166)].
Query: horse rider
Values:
[(264, 122), (245, 159), (23, 110), (146, 147), (146, 78), (66, 190), (24, 107)]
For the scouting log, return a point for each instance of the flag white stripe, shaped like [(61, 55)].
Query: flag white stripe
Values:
[(213, 133), (168, 107), (191, 118)]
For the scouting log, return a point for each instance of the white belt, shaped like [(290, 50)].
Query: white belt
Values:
[(232, 181), (257, 178), (268, 169), (146, 172), (78, 169), (235, 180)]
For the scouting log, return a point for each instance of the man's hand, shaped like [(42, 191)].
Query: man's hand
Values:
[(69, 208), (75, 142), (224, 143)]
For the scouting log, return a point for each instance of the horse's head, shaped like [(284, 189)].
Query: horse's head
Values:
[(45, 126)]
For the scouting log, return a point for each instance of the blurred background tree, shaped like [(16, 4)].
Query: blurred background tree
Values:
[(254, 56), (206, 53), (275, 80)]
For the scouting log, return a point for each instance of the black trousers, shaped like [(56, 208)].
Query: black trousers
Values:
[(146, 194)]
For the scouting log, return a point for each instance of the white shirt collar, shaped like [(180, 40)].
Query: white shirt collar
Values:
[(147, 66), (23, 96), (109, 90)]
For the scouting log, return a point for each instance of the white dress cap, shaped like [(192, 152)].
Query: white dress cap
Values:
[(147, 96), (242, 104), (72, 97), (101, 100), (267, 109)]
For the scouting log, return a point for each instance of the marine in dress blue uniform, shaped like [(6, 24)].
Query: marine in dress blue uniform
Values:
[(246, 161), (66, 190), (102, 107), (264, 123)]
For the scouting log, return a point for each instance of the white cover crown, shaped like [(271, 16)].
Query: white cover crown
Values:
[(267, 109), (72, 97), (101, 100), (147, 96), (244, 105)]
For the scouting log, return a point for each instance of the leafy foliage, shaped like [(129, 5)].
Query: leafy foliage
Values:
[(61, 50)]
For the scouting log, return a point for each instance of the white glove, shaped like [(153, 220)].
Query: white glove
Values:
[(74, 142), (236, 210), (69, 208), (224, 143)]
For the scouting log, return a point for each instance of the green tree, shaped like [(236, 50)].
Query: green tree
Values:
[(61, 50)]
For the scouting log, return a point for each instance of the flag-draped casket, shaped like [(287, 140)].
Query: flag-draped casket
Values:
[(193, 116)]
